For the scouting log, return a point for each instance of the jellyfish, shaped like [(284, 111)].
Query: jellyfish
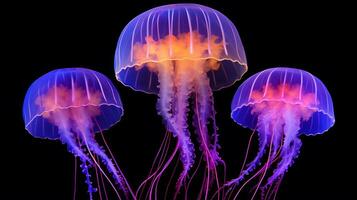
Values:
[(71, 105), (182, 53), (280, 104)]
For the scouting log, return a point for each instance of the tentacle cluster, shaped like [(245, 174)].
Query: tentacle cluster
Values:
[(278, 130), (75, 125), (178, 83)]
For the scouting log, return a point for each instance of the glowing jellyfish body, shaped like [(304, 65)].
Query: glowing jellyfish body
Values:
[(181, 51), (281, 104), (71, 105)]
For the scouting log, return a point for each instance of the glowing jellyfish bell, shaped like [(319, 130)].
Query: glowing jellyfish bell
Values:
[(71, 105), (181, 51), (280, 104)]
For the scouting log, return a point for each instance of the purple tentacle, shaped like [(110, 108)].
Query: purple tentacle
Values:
[(73, 147), (263, 143), (98, 150), (204, 111), (85, 171), (291, 145), (175, 116)]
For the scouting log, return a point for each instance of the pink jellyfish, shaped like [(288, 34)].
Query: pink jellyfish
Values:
[(280, 104), (71, 105), (182, 52)]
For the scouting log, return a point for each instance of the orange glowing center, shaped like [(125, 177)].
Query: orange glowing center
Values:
[(187, 50), (284, 97), (62, 104)]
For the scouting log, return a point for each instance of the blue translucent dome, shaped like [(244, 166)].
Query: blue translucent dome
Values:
[(89, 81), (321, 120), (177, 20)]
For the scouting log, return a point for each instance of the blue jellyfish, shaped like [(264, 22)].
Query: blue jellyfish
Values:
[(182, 52), (72, 105), (280, 104)]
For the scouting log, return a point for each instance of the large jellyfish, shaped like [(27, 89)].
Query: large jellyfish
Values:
[(182, 52), (280, 104), (71, 105)]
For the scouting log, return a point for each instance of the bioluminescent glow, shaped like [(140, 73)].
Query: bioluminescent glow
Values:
[(72, 105), (178, 52), (280, 104)]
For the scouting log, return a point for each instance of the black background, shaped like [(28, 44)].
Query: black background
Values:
[(47, 36)]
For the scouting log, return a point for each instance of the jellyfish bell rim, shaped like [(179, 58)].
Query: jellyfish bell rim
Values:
[(315, 109), (243, 66), (101, 129), (182, 59)]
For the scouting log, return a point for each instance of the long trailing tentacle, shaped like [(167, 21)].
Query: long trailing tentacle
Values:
[(166, 95), (277, 128), (158, 176), (75, 178), (121, 174), (232, 188), (263, 141), (156, 165), (74, 147), (269, 160), (174, 112), (99, 189), (83, 123), (85, 171), (262, 171), (84, 138), (171, 177), (183, 90), (205, 111), (268, 123), (291, 145), (192, 177), (163, 164), (66, 137), (98, 150), (216, 146), (203, 101)]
